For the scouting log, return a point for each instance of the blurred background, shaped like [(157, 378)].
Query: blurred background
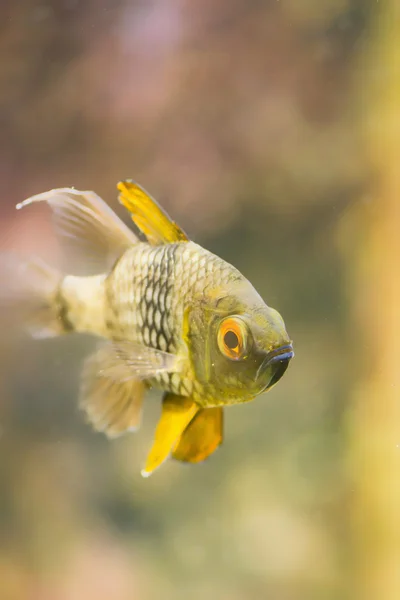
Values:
[(270, 131)]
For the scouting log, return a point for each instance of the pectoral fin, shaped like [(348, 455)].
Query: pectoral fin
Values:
[(120, 359), (148, 216), (201, 437), (113, 384), (177, 412)]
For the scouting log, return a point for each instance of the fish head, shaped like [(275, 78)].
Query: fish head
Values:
[(239, 345)]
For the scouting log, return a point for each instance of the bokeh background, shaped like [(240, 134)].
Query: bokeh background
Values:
[(270, 130)]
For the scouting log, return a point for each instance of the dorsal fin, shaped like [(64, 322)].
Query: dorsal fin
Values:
[(148, 215), (90, 229)]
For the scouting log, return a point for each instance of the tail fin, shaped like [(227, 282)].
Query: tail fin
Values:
[(28, 296)]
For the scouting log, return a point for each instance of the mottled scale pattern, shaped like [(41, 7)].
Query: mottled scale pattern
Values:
[(147, 293)]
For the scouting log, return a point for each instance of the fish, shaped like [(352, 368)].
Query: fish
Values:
[(167, 314)]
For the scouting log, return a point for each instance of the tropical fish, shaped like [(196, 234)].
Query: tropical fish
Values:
[(171, 316)]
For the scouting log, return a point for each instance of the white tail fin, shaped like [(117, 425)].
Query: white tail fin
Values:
[(28, 296), (93, 236)]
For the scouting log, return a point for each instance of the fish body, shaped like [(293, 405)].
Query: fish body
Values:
[(172, 315), (150, 292)]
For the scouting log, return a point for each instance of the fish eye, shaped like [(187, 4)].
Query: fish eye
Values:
[(233, 338)]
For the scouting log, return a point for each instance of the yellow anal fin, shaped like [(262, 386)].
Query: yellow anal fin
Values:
[(177, 412), (202, 436), (148, 215)]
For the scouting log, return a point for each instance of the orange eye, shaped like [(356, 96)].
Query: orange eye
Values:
[(232, 337)]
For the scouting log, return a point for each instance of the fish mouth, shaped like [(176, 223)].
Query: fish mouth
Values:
[(277, 361)]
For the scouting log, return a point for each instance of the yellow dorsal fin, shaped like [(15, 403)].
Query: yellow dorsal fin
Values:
[(148, 215)]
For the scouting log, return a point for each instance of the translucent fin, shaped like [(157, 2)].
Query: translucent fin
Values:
[(113, 406), (122, 359), (177, 412), (28, 296), (93, 234), (201, 437), (148, 215)]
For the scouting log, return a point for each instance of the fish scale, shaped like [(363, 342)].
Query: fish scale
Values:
[(148, 292), (145, 293)]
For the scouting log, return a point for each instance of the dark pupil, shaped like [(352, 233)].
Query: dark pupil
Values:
[(231, 340)]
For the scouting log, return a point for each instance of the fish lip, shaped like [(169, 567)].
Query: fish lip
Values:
[(281, 354)]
